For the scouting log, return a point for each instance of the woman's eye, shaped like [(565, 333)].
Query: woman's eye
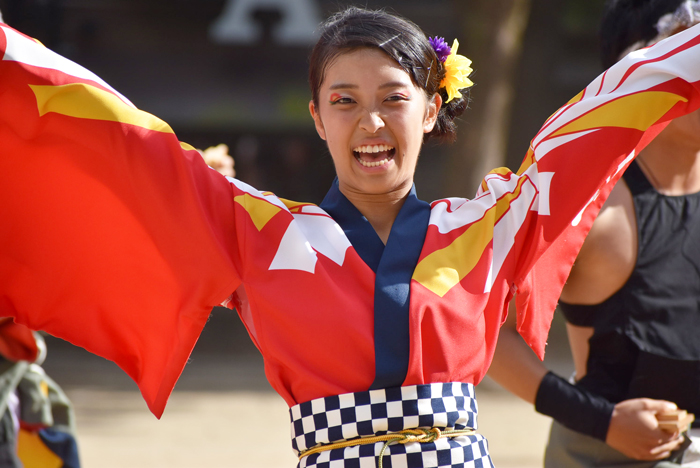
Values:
[(340, 100), (397, 97)]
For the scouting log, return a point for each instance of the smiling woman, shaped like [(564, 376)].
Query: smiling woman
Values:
[(374, 125), (376, 313)]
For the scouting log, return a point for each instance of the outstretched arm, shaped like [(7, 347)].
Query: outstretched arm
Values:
[(575, 160), (630, 426), (114, 236)]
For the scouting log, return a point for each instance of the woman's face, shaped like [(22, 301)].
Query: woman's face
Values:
[(373, 119)]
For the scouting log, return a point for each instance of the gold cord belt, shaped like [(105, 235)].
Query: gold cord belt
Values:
[(423, 436)]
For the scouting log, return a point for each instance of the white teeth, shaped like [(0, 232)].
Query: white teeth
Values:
[(374, 163), (372, 148)]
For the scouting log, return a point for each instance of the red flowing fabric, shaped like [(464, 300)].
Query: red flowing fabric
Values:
[(17, 342), (106, 212)]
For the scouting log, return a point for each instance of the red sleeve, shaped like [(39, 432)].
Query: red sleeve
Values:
[(579, 155), (114, 236)]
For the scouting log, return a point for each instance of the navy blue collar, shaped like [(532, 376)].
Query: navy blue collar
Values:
[(394, 266), (357, 229)]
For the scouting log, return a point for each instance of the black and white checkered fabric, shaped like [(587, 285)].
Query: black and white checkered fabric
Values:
[(375, 412)]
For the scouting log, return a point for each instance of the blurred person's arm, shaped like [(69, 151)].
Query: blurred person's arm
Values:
[(515, 366), (630, 426), (603, 265)]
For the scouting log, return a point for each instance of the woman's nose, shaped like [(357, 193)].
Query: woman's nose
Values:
[(371, 121)]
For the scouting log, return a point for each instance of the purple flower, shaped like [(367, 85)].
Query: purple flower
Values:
[(440, 47)]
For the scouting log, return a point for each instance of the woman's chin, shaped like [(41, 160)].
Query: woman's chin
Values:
[(379, 185)]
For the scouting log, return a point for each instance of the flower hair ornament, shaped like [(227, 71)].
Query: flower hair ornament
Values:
[(457, 67)]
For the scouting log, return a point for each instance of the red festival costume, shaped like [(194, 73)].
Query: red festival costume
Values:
[(125, 239)]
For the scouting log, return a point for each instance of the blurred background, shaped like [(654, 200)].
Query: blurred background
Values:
[(234, 72)]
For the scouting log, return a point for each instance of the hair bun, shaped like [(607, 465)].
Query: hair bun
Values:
[(446, 128)]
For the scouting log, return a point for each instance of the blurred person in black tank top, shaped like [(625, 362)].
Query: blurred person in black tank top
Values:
[(632, 300)]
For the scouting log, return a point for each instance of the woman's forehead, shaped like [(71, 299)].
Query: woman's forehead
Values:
[(364, 66)]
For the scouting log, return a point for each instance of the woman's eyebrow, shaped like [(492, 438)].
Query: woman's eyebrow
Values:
[(343, 86), (390, 84), (393, 84)]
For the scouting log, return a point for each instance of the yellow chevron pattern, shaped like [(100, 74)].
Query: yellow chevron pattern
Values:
[(503, 171), (85, 101), (294, 206), (624, 113), (260, 211), (445, 268), (187, 146)]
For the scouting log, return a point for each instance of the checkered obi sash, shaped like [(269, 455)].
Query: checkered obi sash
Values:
[(376, 412)]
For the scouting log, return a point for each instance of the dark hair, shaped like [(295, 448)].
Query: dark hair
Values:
[(626, 22), (402, 40)]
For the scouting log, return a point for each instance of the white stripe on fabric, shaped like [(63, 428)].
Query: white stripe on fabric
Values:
[(682, 64), (23, 50), (449, 214), (553, 143), (507, 228), (269, 197)]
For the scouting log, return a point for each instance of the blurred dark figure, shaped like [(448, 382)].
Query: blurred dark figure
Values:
[(631, 300)]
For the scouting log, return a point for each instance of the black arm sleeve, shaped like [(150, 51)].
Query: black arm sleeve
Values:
[(574, 407)]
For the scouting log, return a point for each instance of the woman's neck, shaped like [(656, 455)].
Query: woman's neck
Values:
[(672, 166), (380, 210)]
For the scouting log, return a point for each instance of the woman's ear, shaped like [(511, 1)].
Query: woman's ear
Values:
[(317, 120), (431, 113)]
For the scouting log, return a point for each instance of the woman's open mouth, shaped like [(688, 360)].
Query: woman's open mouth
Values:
[(374, 155)]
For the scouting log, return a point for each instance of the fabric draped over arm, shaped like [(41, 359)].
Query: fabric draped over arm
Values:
[(581, 152), (114, 235)]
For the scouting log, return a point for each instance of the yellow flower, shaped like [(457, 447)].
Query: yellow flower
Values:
[(457, 69)]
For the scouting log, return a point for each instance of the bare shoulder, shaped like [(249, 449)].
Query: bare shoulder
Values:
[(609, 253)]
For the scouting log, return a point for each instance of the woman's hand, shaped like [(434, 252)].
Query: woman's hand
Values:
[(634, 430)]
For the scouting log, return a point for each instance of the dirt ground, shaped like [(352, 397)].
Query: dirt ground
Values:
[(224, 414)]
